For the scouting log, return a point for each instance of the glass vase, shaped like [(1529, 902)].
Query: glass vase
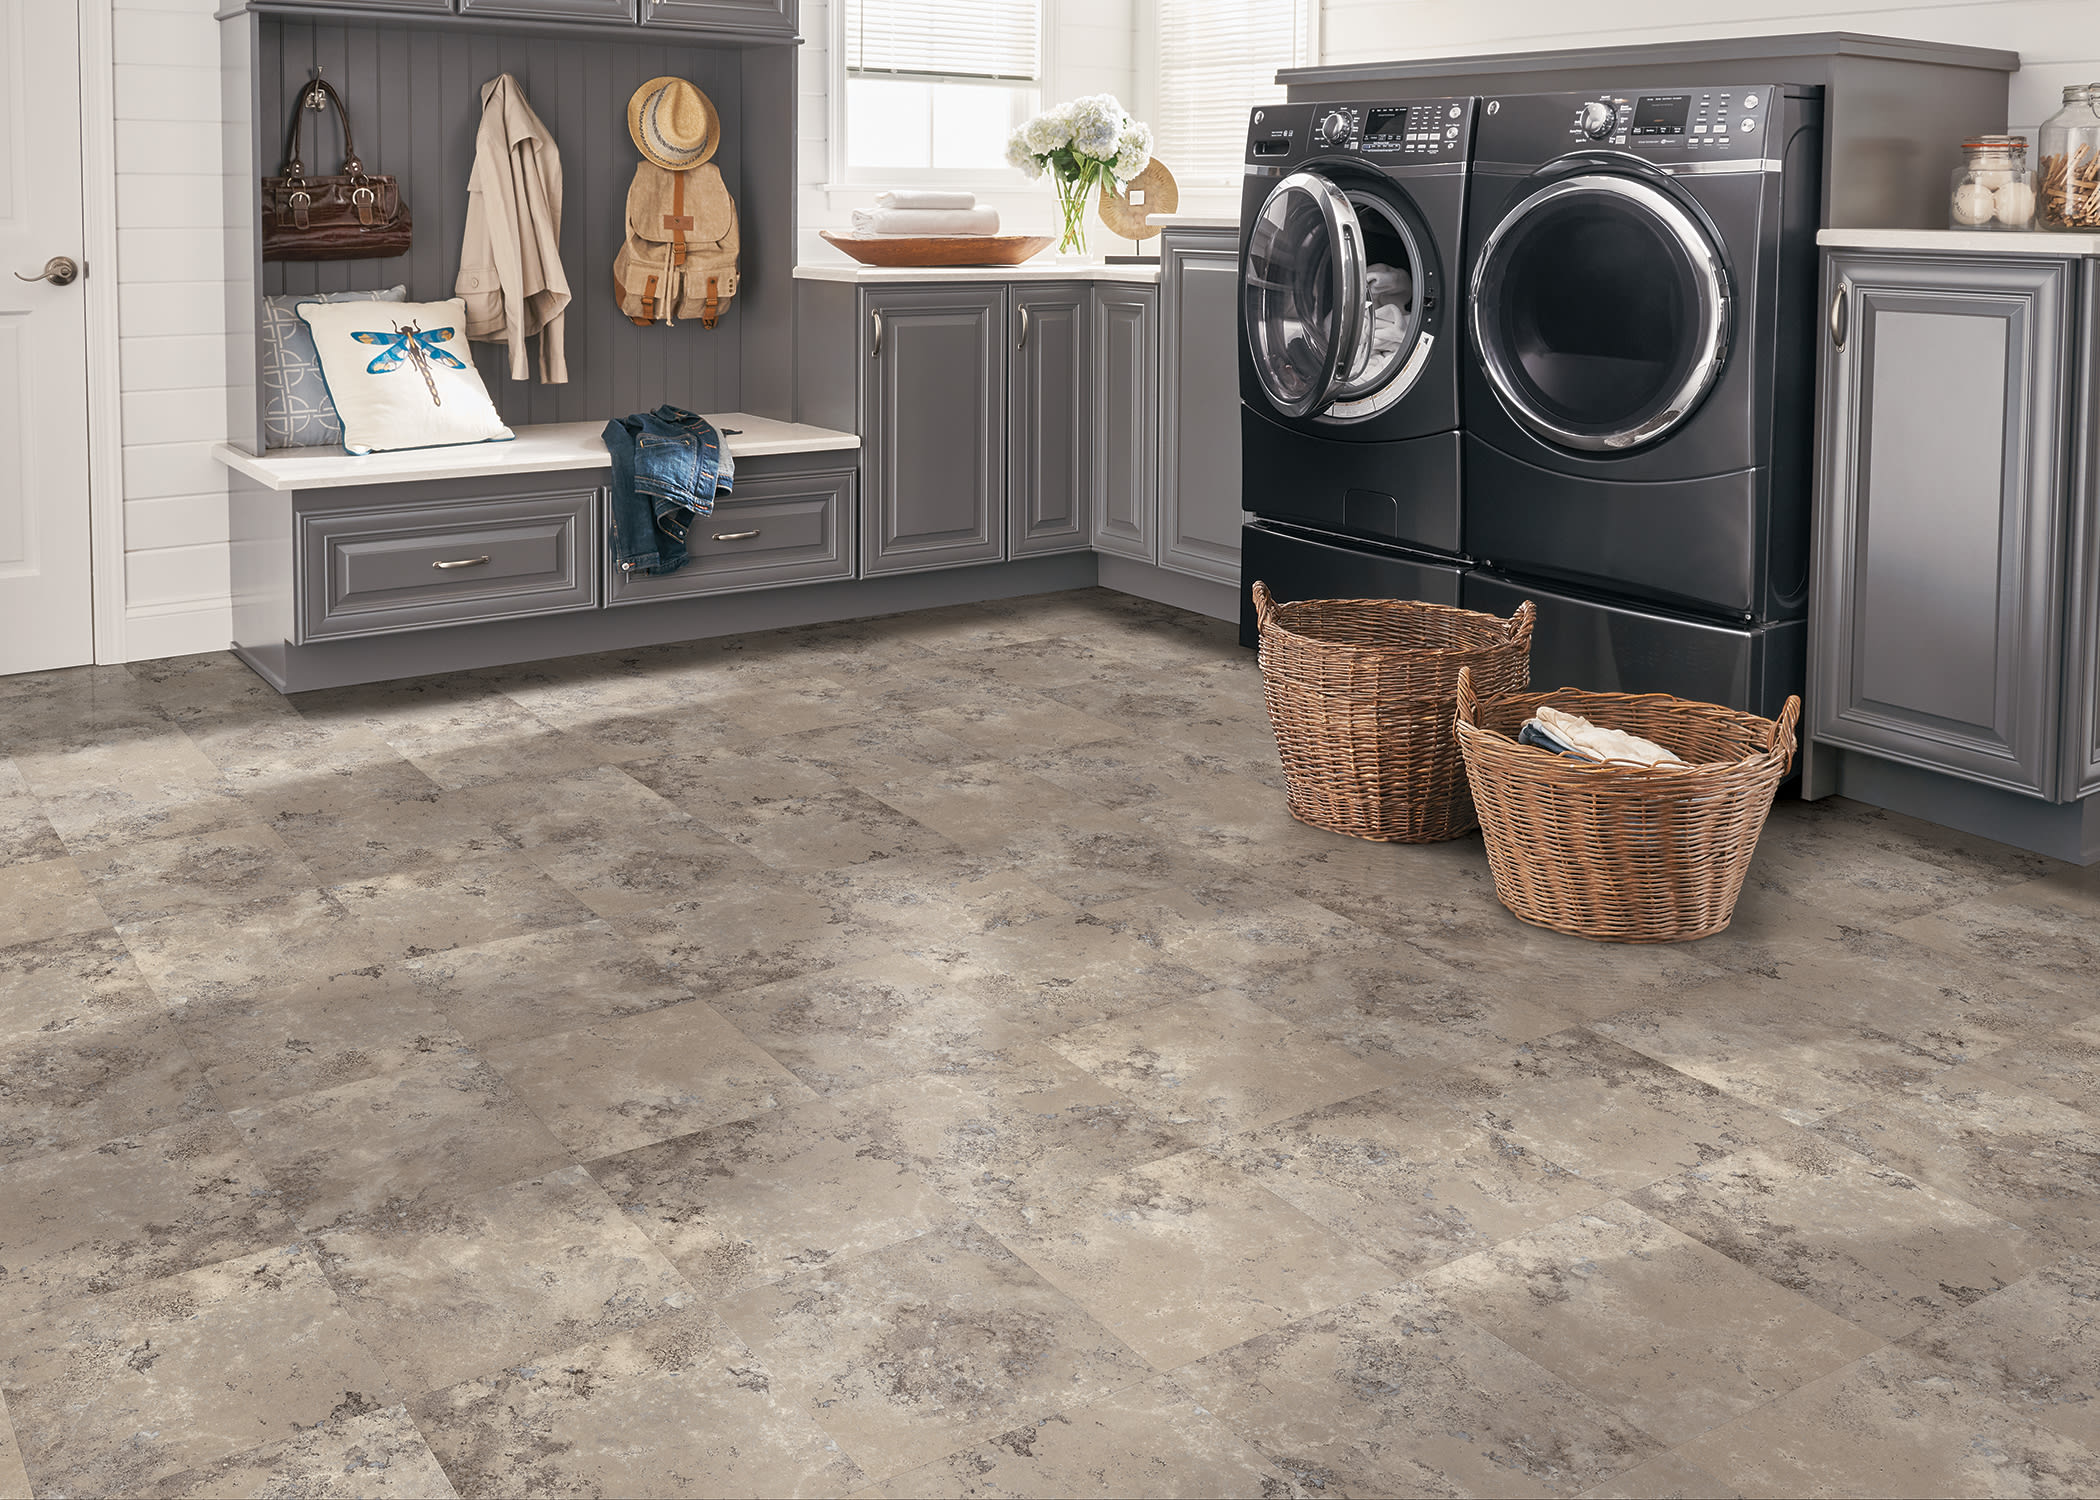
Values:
[(1073, 199)]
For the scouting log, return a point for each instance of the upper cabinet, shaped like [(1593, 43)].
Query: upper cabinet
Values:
[(722, 15), (551, 10), (753, 20)]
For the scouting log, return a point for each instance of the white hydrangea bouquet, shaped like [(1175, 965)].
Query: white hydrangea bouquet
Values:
[(1080, 143)]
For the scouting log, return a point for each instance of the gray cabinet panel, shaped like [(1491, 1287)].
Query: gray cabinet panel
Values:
[(1046, 486), (372, 572), (552, 10), (1125, 457), (2081, 773), (422, 5), (1940, 517), (1199, 457), (793, 528), (722, 15), (933, 427)]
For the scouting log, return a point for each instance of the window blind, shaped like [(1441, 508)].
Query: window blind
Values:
[(940, 39), (1217, 60)]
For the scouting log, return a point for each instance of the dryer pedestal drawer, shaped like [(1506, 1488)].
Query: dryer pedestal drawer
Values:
[(788, 528), (370, 572)]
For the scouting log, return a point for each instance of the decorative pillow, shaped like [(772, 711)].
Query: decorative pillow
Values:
[(400, 375), (296, 410)]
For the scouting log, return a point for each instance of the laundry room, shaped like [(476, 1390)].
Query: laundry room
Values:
[(1049, 747)]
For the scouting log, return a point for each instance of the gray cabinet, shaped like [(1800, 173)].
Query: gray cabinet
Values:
[(1199, 460), (551, 10), (1942, 509), (774, 530), (2082, 654), (1124, 461), (933, 427), (418, 5), (722, 15), (1046, 475)]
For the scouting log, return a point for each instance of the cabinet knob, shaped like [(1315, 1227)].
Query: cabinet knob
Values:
[(1839, 303)]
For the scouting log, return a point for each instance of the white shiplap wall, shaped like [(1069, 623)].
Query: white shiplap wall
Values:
[(2058, 40), (173, 324)]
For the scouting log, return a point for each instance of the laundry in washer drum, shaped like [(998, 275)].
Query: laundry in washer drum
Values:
[(1391, 292)]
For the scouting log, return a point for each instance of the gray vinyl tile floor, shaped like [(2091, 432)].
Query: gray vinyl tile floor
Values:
[(922, 1057)]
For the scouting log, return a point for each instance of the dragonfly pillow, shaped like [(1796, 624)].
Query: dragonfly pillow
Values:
[(296, 409), (400, 375)]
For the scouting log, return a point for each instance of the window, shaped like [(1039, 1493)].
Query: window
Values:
[(932, 89), (1217, 59)]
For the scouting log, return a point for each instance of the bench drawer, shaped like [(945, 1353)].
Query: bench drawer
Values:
[(787, 528), (372, 572)]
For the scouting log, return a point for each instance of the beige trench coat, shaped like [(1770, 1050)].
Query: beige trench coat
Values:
[(510, 261)]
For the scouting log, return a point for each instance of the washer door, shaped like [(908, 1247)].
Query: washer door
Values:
[(1601, 312), (1302, 297)]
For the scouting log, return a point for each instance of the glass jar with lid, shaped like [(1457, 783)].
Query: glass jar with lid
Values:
[(2070, 169), (1993, 187)]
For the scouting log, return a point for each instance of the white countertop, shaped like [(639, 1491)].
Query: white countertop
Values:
[(546, 448), (1969, 241), (1042, 268)]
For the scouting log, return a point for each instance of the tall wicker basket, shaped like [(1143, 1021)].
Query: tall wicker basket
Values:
[(1362, 693), (1623, 853)]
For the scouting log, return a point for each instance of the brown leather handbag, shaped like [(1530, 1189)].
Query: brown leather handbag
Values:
[(353, 216)]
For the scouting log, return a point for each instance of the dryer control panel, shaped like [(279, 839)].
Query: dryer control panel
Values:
[(1393, 133), (1705, 122)]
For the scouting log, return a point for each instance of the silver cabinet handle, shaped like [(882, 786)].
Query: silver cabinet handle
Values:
[(462, 562), (59, 270), (734, 536), (1839, 303), (1022, 341), (876, 351)]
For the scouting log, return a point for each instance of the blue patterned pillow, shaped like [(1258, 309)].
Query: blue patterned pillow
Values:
[(296, 410)]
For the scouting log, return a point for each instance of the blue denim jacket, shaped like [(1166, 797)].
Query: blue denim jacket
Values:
[(667, 467)]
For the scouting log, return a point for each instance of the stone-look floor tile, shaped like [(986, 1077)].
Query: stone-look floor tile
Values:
[(792, 702), (91, 1086), (73, 707), (1218, 1064), (1184, 1257), (914, 1351), (1675, 1337), (14, 1479), (1893, 1425), (376, 820), (537, 751), (620, 1084), (204, 957), (94, 1219), (846, 827), (746, 934), (2063, 1065), (26, 835), (1104, 856), (1400, 1394), (981, 805), (46, 900), (797, 1189), (67, 986), (116, 1395), (1407, 1175), (1618, 1118), (1151, 1440), (291, 758), (1864, 1242), (676, 1407), (847, 1027), (1011, 1137), (2020, 1156), (128, 789), (647, 731), (1038, 663), (448, 1291), (1664, 1477), (639, 871), (416, 912), (998, 718), (318, 1036), (581, 808), (872, 750), (428, 1133), (377, 1453), (1258, 941), (931, 908), (2034, 1346), (229, 867), (730, 782), (539, 982), (2040, 932), (1381, 1006)]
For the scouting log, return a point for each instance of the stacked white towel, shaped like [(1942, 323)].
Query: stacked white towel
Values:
[(926, 212)]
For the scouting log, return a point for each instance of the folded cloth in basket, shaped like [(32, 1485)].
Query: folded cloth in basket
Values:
[(1575, 735), (924, 198), (926, 221)]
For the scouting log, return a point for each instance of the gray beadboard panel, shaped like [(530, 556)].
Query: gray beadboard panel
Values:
[(415, 99)]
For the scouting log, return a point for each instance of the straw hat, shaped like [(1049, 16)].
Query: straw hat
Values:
[(673, 124)]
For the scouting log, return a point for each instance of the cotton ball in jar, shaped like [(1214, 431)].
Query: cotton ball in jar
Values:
[(1974, 204), (2015, 203)]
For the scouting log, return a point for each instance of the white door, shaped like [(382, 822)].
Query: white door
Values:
[(46, 615)]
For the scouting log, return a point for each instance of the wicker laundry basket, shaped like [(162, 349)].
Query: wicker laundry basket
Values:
[(1361, 694), (1617, 852)]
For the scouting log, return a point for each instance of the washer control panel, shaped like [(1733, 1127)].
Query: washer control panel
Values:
[(1392, 133), (1665, 124)]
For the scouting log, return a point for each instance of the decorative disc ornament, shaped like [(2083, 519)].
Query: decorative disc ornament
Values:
[(1152, 191)]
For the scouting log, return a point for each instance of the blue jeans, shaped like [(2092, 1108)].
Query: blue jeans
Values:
[(667, 467)]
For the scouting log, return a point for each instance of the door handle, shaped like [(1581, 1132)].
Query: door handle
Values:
[(1840, 304), (462, 562), (59, 270), (875, 351), (1022, 341), (734, 536)]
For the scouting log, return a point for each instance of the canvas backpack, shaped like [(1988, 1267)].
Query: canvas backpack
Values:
[(679, 259)]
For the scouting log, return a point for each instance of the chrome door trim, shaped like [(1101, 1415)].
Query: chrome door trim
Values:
[(1382, 398), (1346, 246), (1713, 338), (1715, 167)]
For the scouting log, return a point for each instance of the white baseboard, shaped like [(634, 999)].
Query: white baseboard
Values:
[(184, 627)]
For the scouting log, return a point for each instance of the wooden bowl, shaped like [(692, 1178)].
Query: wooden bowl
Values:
[(939, 249)]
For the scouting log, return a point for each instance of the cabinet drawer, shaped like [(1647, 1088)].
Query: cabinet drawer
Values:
[(370, 572), (790, 528)]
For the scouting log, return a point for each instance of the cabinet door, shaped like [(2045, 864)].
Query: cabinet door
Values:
[(1046, 482), (1125, 457), (1937, 616), (722, 15), (933, 427), (443, 6), (552, 10), (1199, 449), (2081, 775)]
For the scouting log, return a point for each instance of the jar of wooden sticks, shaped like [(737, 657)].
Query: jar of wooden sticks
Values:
[(2070, 168)]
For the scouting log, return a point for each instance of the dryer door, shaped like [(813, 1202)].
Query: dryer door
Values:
[(1601, 312), (1303, 294)]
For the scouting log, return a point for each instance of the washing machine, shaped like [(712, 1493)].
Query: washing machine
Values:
[(1639, 382), (1350, 330)]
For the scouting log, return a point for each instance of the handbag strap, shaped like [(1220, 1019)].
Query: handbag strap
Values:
[(294, 165)]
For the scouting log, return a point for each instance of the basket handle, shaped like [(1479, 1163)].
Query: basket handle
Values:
[(1783, 728), (1518, 627), (1264, 604), (1467, 702)]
